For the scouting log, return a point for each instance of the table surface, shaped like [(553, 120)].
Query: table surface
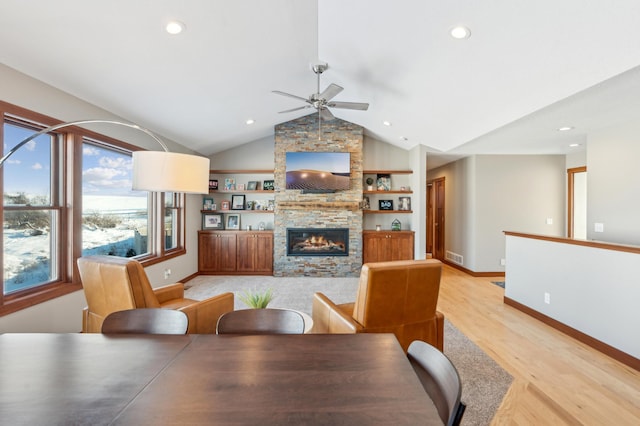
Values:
[(356, 379)]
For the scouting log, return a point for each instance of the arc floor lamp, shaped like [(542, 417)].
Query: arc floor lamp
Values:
[(158, 171)]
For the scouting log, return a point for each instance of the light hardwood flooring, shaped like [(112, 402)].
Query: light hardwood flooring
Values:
[(557, 380)]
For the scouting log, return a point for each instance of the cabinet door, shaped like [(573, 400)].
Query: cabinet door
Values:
[(217, 252), (401, 247), (374, 247), (255, 252)]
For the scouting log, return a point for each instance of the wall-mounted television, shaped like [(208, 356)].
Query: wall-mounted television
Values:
[(318, 171)]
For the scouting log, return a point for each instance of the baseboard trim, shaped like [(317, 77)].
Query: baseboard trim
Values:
[(472, 273), (596, 344)]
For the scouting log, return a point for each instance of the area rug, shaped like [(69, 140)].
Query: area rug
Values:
[(484, 383)]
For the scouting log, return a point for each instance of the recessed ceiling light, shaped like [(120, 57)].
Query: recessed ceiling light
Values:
[(565, 128), (175, 27), (402, 138), (574, 145), (250, 121), (460, 32), (386, 123)]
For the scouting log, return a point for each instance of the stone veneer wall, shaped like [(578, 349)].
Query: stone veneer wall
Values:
[(338, 210)]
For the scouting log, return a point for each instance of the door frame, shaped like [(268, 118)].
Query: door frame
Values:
[(435, 226)]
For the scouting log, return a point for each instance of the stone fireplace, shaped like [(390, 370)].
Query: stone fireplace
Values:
[(324, 212), (318, 242)]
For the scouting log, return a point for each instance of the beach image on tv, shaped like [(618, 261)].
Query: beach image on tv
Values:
[(318, 170)]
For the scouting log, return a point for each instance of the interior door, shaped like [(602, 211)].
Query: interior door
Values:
[(577, 203), (435, 217)]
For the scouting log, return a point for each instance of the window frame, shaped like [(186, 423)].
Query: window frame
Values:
[(68, 185)]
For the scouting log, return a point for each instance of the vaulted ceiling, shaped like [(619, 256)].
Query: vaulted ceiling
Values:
[(528, 68)]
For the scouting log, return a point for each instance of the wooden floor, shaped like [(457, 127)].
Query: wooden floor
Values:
[(557, 380)]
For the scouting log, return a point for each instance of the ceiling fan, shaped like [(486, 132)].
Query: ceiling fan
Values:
[(322, 101)]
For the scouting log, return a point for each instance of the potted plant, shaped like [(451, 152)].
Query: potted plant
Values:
[(256, 299)]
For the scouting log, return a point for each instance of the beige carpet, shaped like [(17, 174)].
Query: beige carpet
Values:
[(484, 383)]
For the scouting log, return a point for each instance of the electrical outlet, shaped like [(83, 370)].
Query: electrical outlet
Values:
[(167, 274), (547, 298), (503, 262), (598, 227)]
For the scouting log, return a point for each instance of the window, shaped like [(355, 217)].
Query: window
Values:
[(68, 194)]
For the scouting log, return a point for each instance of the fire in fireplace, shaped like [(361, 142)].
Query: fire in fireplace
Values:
[(317, 241)]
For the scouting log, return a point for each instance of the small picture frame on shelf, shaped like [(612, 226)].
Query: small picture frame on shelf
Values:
[(268, 185), (212, 221), (252, 185), (366, 204), (207, 204), (229, 184), (213, 184), (271, 205), (241, 187), (224, 205), (233, 221), (237, 202), (383, 182), (251, 205), (385, 204), (404, 203)]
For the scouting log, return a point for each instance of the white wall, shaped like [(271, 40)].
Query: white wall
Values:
[(592, 290), (486, 195), (613, 184), (63, 314)]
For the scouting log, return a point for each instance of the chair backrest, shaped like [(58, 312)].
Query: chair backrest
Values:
[(146, 321), (398, 292), (440, 379), (114, 283), (261, 321)]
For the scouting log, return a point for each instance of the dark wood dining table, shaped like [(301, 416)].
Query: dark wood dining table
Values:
[(313, 379)]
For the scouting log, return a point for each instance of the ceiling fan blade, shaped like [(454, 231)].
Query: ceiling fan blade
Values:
[(330, 92), (349, 105), (326, 114), (295, 109), (291, 96)]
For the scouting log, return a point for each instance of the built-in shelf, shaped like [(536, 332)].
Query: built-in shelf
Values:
[(388, 172), (241, 191), (237, 211), (388, 192), (386, 211), (240, 172)]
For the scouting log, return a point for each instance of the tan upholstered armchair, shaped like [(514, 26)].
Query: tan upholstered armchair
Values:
[(397, 297), (116, 283)]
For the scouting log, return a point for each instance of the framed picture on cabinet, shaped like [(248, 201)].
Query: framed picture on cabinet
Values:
[(233, 221), (404, 203), (212, 221), (237, 202)]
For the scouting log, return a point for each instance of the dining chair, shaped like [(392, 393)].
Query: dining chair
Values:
[(146, 321), (440, 380), (261, 321)]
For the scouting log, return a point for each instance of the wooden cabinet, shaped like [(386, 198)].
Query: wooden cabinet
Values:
[(235, 252), (380, 246), (254, 252)]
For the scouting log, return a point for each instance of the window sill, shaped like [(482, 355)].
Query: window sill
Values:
[(18, 302)]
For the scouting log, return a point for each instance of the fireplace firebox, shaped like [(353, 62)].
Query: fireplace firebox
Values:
[(318, 242)]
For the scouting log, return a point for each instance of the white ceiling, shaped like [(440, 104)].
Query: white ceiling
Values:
[(528, 68)]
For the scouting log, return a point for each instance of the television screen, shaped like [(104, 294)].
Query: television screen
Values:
[(318, 171)]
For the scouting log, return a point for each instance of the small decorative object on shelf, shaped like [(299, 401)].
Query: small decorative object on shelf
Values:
[(213, 184), (229, 184), (385, 204), (369, 182), (212, 221), (395, 225), (251, 205), (224, 205), (207, 204), (366, 205), (404, 203), (241, 187), (384, 182), (268, 185), (271, 205), (261, 226), (237, 202), (378, 228), (252, 185), (233, 221)]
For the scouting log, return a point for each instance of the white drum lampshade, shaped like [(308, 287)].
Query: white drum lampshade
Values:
[(163, 171)]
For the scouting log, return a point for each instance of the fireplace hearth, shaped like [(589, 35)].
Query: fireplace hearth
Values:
[(317, 241)]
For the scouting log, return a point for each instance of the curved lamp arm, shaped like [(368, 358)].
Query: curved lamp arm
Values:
[(152, 170)]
